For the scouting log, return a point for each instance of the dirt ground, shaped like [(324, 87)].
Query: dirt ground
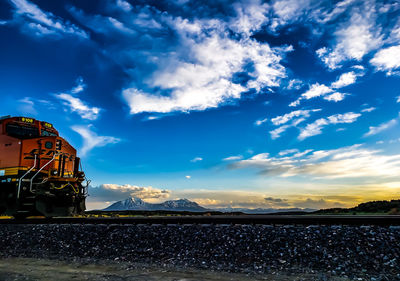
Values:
[(26, 269)]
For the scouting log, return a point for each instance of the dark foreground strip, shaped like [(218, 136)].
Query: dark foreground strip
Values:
[(242, 219)]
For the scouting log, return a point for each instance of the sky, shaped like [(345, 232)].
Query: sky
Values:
[(256, 104)]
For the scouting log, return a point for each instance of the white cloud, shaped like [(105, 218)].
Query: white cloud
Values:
[(294, 84), (316, 127), (347, 162), (353, 40), (233, 158), (288, 11), (387, 59), (344, 80), (78, 106), (288, 151), (91, 139), (146, 192), (315, 90), (335, 97), (260, 122), (349, 117), (75, 104), (398, 99), (188, 177), (40, 23), (124, 5), (296, 117), (101, 24), (250, 16), (27, 106), (276, 133), (313, 129), (188, 78), (384, 126), (196, 159), (369, 109), (207, 83), (79, 87), (279, 120)]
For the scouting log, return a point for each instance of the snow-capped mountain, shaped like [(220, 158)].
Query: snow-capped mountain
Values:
[(171, 205), (181, 205), (138, 204), (129, 204)]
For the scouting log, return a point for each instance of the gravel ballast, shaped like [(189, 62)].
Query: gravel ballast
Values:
[(354, 252)]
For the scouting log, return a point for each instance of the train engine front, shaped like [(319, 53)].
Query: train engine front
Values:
[(39, 171)]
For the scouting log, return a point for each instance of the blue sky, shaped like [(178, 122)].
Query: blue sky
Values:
[(279, 104)]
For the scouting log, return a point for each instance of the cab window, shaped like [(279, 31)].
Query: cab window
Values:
[(48, 134), (22, 132)]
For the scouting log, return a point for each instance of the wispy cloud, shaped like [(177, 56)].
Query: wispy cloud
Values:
[(91, 139), (80, 86), (387, 59), (208, 82), (142, 192), (296, 117), (315, 90), (78, 106), (233, 158), (279, 120), (196, 159), (101, 24), (368, 109), (260, 121), (75, 104), (317, 126), (382, 127), (354, 39), (294, 84), (344, 80), (347, 162), (288, 151), (178, 74), (27, 106), (37, 22), (124, 5)]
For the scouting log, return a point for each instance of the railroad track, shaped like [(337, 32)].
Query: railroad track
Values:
[(392, 220)]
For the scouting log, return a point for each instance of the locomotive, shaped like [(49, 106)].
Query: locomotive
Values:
[(39, 171)]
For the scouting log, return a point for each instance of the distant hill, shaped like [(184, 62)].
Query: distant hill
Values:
[(377, 207), (137, 204), (171, 205), (266, 211)]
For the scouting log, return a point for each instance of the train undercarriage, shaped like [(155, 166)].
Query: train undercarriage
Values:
[(43, 197)]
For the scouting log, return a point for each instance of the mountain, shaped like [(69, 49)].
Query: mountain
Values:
[(171, 205), (181, 205), (129, 204), (137, 204)]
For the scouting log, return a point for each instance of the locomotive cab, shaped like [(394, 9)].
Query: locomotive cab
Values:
[(39, 170)]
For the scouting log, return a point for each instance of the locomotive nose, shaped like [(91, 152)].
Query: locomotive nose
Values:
[(39, 170)]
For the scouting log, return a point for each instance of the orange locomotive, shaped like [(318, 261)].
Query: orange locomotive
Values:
[(39, 170)]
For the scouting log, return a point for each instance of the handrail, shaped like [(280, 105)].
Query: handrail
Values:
[(34, 176), (20, 179)]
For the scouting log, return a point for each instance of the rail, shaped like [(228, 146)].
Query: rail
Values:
[(20, 179), (306, 220)]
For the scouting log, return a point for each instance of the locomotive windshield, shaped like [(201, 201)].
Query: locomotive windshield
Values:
[(48, 134), (22, 132)]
